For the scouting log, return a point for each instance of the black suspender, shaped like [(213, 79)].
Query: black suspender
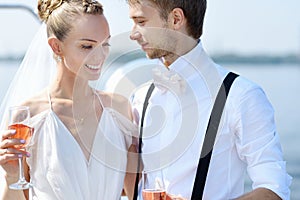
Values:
[(148, 95), (210, 136), (209, 139)]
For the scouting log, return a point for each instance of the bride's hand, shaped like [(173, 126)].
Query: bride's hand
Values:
[(8, 154)]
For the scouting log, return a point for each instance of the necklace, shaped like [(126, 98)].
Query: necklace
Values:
[(80, 119), (77, 108)]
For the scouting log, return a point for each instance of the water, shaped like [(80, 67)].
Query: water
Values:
[(282, 86)]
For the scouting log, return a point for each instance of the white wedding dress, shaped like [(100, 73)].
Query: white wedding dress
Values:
[(60, 171)]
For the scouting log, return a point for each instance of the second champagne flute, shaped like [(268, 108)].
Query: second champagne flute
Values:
[(154, 186)]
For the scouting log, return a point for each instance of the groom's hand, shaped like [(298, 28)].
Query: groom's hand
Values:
[(174, 197)]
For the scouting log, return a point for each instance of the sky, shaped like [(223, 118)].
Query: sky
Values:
[(269, 27)]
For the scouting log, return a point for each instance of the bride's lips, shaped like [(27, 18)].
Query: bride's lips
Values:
[(93, 67)]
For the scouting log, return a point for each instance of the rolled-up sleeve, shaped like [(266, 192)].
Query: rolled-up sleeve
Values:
[(258, 143)]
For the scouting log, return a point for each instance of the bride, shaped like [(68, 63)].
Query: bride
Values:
[(82, 136)]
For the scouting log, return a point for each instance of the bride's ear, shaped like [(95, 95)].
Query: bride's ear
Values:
[(55, 45)]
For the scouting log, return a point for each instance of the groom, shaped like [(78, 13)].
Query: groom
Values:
[(180, 106)]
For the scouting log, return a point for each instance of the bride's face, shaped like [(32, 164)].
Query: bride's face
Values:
[(86, 46)]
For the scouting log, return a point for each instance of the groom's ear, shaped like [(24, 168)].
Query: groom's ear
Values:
[(177, 19), (55, 45)]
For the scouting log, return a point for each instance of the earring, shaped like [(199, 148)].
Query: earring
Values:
[(58, 58)]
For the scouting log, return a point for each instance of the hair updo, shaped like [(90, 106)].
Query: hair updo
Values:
[(59, 14)]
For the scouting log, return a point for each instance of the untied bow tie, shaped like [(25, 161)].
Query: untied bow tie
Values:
[(166, 80)]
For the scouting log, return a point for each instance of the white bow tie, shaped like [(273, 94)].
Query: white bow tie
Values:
[(168, 80)]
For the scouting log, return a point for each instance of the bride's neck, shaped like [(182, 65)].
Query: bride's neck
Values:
[(67, 85)]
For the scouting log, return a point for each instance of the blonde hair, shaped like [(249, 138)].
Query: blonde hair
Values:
[(59, 14)]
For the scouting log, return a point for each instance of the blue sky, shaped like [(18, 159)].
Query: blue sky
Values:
[(231, 26)]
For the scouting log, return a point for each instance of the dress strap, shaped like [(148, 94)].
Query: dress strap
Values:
[(49, 98), (99, 98)]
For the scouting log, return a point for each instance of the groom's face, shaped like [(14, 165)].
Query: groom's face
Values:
[(150, 30)]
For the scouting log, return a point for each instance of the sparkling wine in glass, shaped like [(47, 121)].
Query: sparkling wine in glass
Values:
[(154, 187), (19, 117)]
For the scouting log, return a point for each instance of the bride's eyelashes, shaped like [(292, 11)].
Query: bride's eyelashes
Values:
[(86, 47)]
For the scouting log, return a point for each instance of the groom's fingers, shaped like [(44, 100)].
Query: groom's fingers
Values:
[(174, 197)]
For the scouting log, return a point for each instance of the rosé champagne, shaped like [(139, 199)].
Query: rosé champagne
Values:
[(22, 132), (154, 194)]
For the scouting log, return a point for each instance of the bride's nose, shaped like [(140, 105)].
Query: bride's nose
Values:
[(100, 53)]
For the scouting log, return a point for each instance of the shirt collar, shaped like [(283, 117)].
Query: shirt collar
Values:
[(174, 78), (188, 58)]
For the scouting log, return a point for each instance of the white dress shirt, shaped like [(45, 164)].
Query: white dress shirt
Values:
[(176, 122)]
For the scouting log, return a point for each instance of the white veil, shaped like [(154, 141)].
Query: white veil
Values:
[(35, 73)]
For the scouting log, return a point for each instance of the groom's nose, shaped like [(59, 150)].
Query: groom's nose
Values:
[(135, 35)]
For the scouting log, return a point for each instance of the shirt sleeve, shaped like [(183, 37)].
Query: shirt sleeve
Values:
[(258, 143)]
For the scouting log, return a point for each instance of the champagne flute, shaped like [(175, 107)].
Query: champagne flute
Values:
[(19, 117), (154, 187)]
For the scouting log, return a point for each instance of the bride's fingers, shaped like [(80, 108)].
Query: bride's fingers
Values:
[(8, 154), (3, 151), (13, 151), (18, 152), (7, 133), (7, 143), (4, 158)]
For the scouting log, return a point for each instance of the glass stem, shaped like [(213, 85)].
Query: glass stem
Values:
[(21, 170)]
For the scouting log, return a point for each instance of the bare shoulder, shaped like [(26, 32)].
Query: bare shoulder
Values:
[(116, 102), (37, 103)]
